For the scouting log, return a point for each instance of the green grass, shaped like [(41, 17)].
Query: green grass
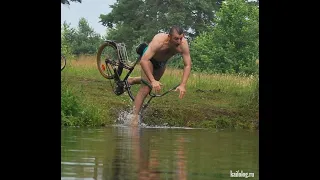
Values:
[(211, 101)]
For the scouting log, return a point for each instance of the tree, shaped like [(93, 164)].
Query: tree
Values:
[(132, 19), (67, 36), (232, 45), (68, 1), (83, 40)]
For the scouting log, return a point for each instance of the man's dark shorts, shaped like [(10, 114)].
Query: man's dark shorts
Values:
[(141, 49)]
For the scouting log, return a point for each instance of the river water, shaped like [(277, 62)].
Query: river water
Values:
[(145, 153)]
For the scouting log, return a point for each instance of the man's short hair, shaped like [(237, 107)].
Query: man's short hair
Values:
[(178, 29)]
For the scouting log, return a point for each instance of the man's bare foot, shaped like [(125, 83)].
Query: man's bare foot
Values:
[(135, 120), (130, 80)]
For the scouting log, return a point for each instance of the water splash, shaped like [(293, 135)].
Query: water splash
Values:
[(125, 118)]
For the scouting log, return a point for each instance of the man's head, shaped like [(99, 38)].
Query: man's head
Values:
[(175, 35)]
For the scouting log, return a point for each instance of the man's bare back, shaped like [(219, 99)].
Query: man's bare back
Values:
[(165, 52)]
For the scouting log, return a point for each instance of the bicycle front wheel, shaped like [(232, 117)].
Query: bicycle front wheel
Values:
[(108, 60), (63, 62)]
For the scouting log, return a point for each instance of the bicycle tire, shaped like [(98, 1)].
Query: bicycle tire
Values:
[(105, 68), (63, 62)]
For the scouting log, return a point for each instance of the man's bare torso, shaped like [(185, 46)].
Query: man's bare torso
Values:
[(165, 52)]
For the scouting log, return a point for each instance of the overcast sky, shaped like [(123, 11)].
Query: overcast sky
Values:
[(90, 10)]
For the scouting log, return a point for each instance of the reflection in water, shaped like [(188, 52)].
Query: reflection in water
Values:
[(181, 160), (156, 153), (145, 157)]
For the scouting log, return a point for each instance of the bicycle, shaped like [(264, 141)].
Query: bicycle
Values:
[(112, 68), (63, 62)]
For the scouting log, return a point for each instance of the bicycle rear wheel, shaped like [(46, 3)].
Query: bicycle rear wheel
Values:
[(108, 61), (63, 62)]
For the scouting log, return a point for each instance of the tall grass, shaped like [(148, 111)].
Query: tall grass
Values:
[(234, 92), (75, 111), (85, 66)]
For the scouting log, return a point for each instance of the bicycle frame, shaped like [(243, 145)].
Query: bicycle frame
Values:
[(155, 95)]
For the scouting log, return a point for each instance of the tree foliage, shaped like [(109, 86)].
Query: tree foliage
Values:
[(83, 40), (68, 1), (133, 19), (232, 45), (223, 35)]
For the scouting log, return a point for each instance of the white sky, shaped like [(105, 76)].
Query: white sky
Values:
[(88, 9)]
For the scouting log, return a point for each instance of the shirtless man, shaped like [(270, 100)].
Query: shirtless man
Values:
[(153, 63)]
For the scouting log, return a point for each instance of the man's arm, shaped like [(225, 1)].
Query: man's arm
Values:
[(153, 46), (187, 63), (186, 70)]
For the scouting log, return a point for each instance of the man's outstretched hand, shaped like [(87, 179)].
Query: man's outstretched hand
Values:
[(182, 90)]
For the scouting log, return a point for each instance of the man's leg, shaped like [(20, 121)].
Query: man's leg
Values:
[(140, 97), (143, 92), (134, 80)]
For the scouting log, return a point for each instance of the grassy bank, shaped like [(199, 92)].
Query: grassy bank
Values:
[(211, 101)]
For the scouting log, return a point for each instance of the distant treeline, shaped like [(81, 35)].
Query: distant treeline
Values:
[(223, 35)]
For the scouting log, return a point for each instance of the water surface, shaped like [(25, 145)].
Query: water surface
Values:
[(120, 152)]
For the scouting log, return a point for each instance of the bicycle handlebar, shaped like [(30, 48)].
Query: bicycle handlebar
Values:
[(157, 95)]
